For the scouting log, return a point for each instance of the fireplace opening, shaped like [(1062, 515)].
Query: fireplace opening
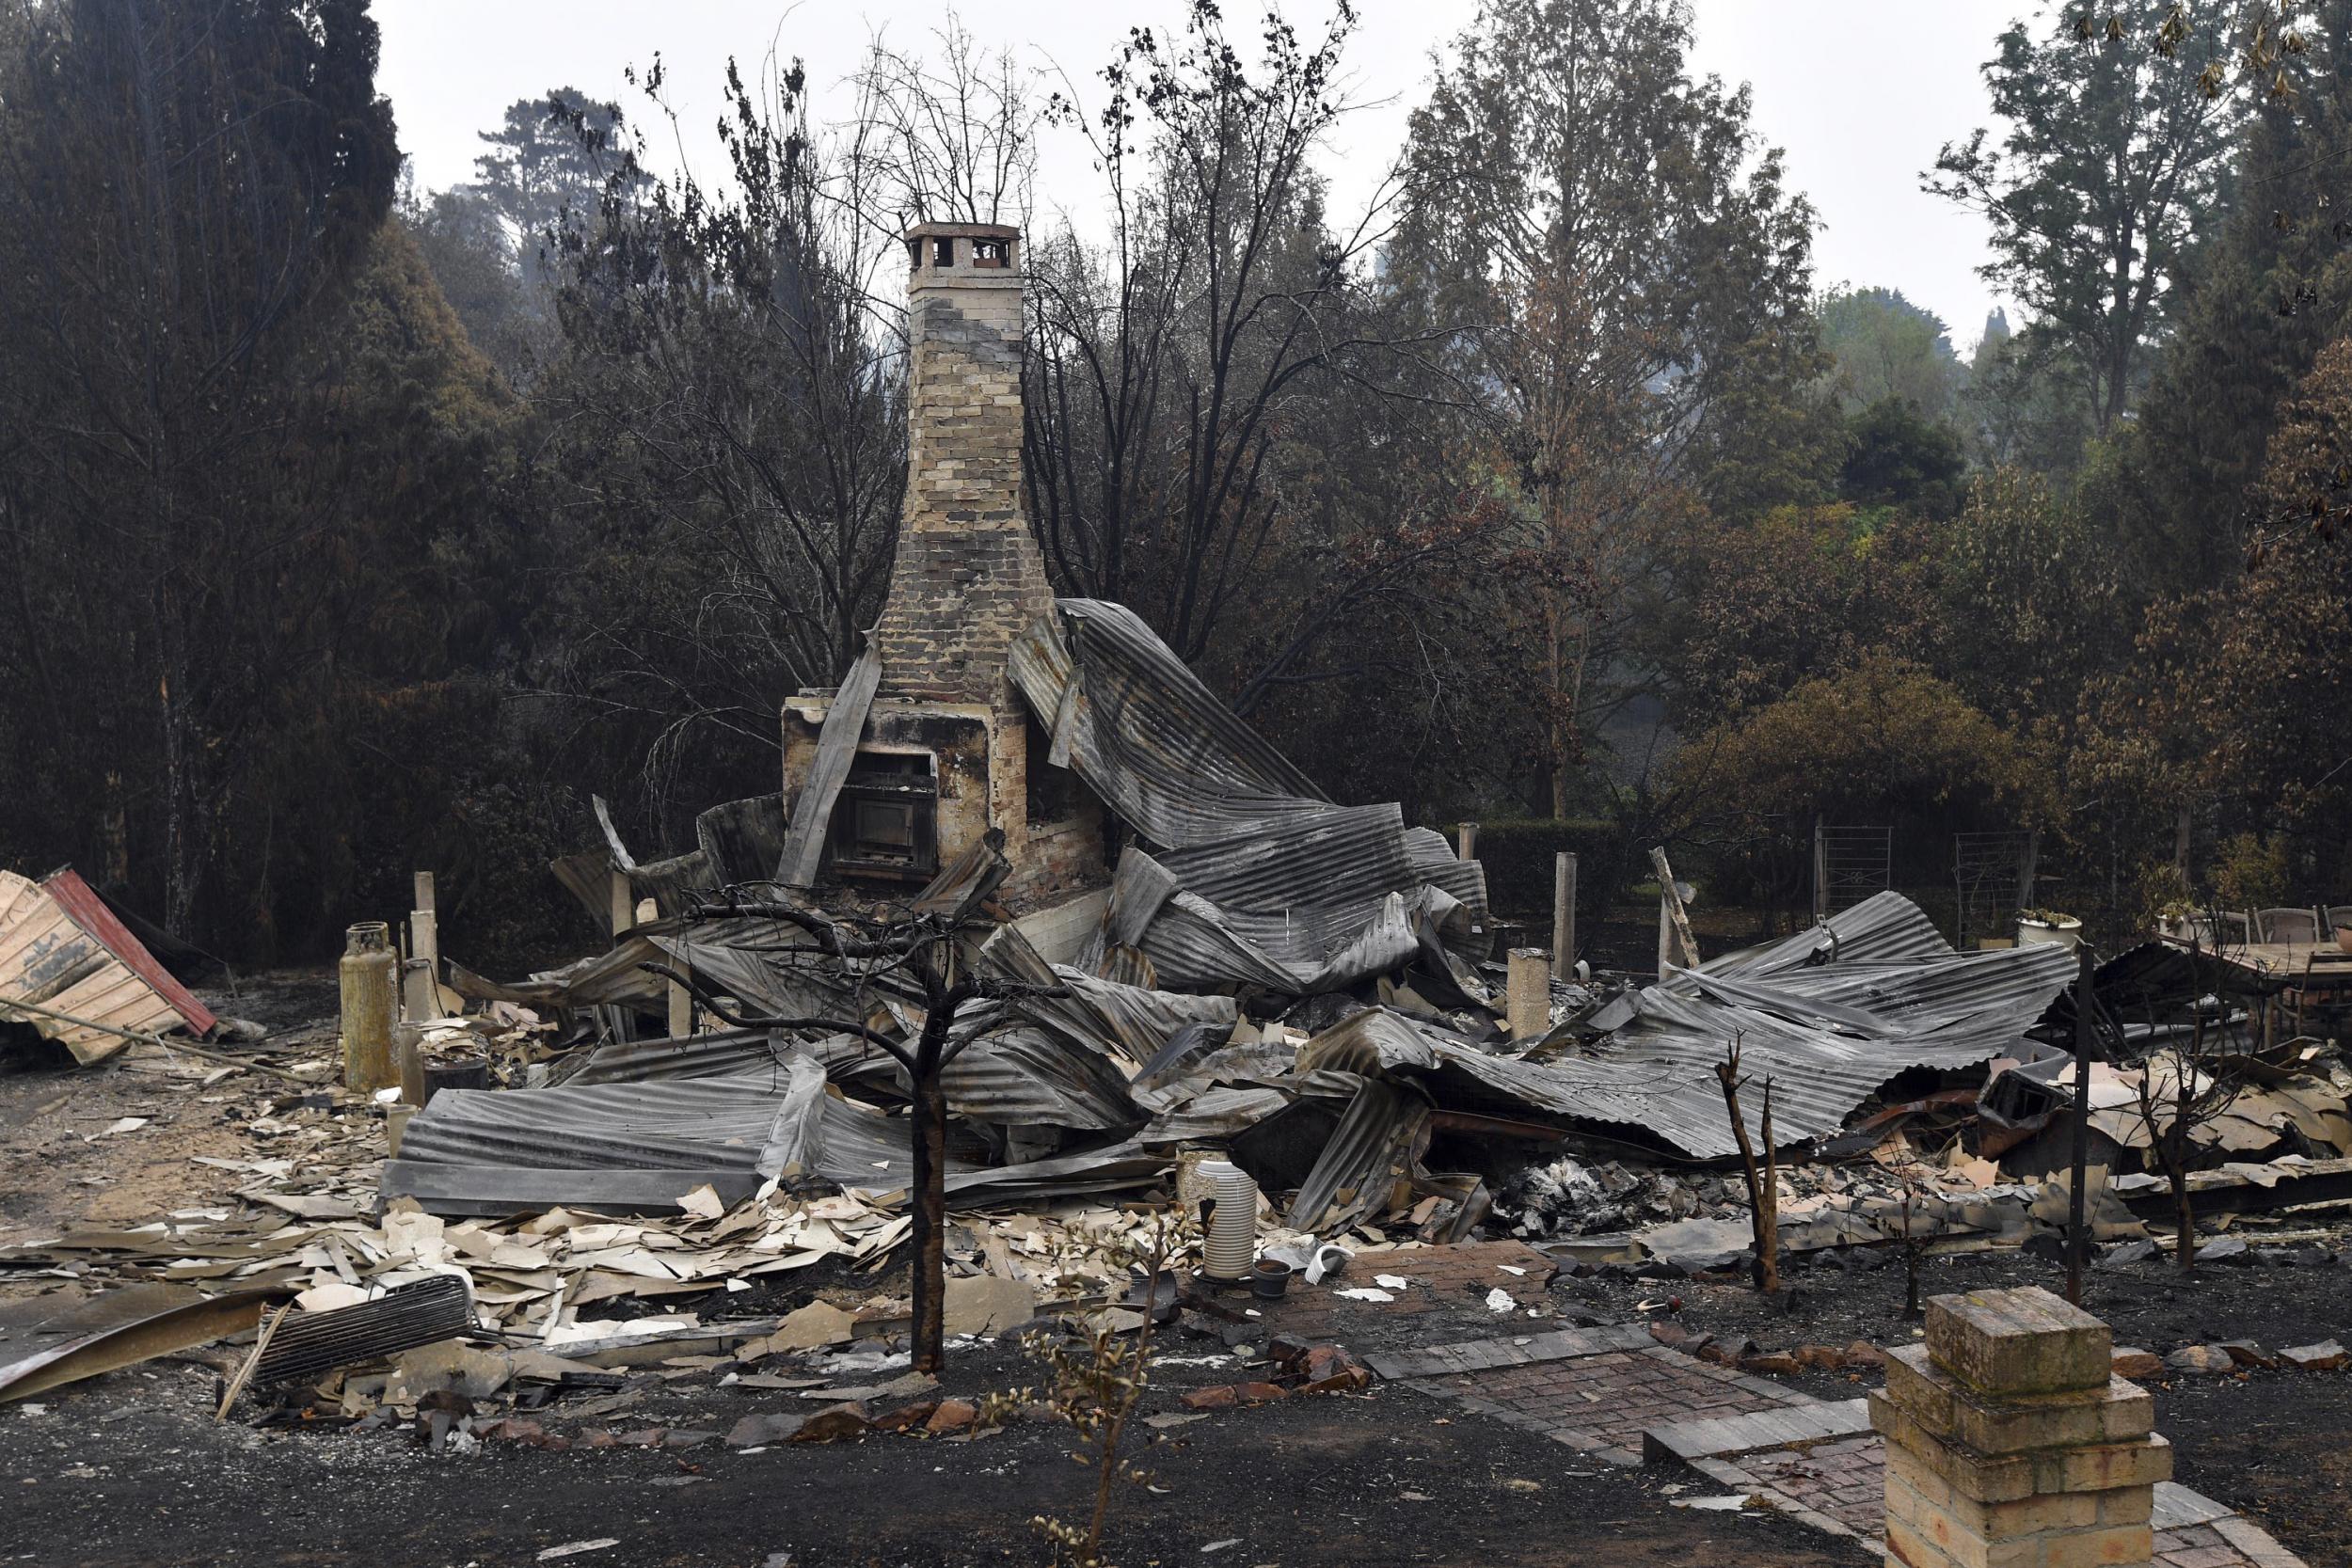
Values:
[(885, 822)]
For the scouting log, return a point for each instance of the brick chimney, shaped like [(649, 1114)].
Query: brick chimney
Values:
[(969, 576), (946, 753)]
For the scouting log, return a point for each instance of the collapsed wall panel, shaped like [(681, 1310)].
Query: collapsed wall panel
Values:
[(63, 951)]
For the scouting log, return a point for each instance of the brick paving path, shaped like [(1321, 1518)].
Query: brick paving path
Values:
[(1597, 1390), (1615, 1393), (2224, 1543), (1602, 1403), (1844, 1480)]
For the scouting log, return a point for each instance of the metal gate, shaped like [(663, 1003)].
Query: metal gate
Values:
[(1848, 865), (1993, 874)]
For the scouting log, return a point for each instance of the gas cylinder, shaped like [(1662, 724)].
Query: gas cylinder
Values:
[(369, 987)]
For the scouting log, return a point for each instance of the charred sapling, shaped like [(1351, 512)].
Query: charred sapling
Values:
[(1763, 1184)]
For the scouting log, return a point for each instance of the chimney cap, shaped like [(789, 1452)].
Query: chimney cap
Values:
[(961, 231)]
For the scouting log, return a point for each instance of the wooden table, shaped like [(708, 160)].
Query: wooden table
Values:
[(2288, 974)]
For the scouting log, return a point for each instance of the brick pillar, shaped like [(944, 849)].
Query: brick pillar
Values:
[(2011, 1444)]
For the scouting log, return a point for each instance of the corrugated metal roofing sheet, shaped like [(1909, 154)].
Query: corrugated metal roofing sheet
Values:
[(620, 1146), (1882, 969), (1828, 1033), (1253, 876), (1140, 727), (1885, 928), (1377, 1146), (766, 965), (719, 1053), (1020, 1075), (642, 1145), (1213, 1113), (699, 1124)]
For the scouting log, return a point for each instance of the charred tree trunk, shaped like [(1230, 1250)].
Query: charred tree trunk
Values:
[(2184, 1218), (928, 1200), (1763, 1184)]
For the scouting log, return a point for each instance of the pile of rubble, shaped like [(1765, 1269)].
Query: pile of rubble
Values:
[(725, 1094)]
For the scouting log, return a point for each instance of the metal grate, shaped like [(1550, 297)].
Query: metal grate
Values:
[(1848, 865), (1993, 874), (423, 1313)]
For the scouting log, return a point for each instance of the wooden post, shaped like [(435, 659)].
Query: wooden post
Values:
[(1674, 921), (1466, 841), (425, 937), (681, 1011), (420, 977), (1528, 993), (623, 901), (1564, 915), (2078, 1158), (1820, 875)]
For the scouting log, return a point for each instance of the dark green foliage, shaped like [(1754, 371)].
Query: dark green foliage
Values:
[(1630, 278), (468, 251), (1897, 457), (2272, 289), (185, 193), (2111, 153), (1887, 347), (546, 171)]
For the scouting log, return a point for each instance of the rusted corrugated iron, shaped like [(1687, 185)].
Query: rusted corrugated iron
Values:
[(61, 949)]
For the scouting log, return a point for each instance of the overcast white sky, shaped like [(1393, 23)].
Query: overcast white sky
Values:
[(1860, 92)]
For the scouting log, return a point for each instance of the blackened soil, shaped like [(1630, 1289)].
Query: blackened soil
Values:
[(2148, 1304), (130, 1469), (2277, 1446)]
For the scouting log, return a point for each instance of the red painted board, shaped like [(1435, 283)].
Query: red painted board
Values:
[(90, 913)]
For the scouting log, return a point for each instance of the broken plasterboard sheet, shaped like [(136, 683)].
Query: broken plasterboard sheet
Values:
[(985, 1303), (811, 1327)]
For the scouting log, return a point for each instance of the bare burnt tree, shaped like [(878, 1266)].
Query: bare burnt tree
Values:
[(729, 435), (944, 138), (1167, 364), (921, 955), (1762, 1178), (2186, 1087)]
